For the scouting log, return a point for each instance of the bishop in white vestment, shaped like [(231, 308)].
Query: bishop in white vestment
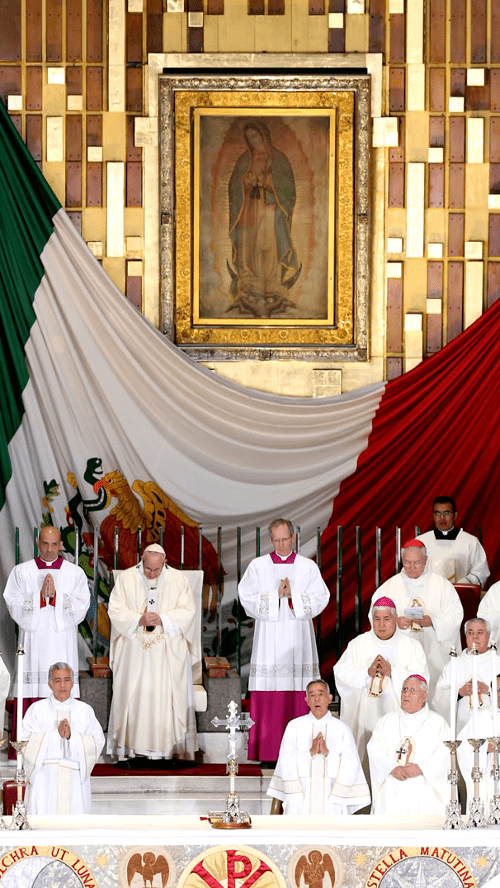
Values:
[(283, 592), (408, 759), (465, 753), (152, 613), (318, 769), (64, 742), (47, 597)]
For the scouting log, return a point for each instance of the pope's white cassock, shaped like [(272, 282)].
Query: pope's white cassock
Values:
[(361, 708), (420, 736), (332, 784), (463, 666), (465, 755), (57, 769), (48, 627), (152, 711), (489, 609), (456, 555), (440, 602)]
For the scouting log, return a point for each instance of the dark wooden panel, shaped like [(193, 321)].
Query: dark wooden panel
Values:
[(494, 178), (494, 76), (493, 282), (94, 184), (73, 137), (434, 280), (436, 184), (316, 7), (477, 98), (455, 299), (94, 130), (396, 184), (74, 30), (478, 32), (434, 338), (134, 37), (256, 7), (10, 30), (457, 185), (495, 31), (53, 24), (154, 24), (394, 315), (34, 88), (377, 26), (94, 30), (336, 40), (456, 222), (437, 89), (74, 80), (494, 235), (457, 139), (94, 89), (73, 184), (457, 82), (495, 139), (397, 48), (194, 5), (134, 184), (275, 7), (195, 40), (17, 120), (436, 132), (10, 82), (394, 368), (34, 135), (336, 6), (76, 219), (397, 155), (33, 31), (437, 32), (457, 31), (133, 153), (134, 291), (134, 89), (396, 89), (215, 7)]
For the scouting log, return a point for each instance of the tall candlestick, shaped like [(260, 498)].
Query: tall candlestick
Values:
[(453, 692), (475, 699), (494, 695), (20, 655)]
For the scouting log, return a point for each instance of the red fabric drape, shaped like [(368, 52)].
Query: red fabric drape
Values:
[(436, 432)]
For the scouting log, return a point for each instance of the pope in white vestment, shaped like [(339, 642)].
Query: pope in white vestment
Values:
[(64, 743), (318, 769), (417, 590), (283, 591), (452, 552), (47, 597), (476, 633), (371, 671), (152, 711), (408, 759)]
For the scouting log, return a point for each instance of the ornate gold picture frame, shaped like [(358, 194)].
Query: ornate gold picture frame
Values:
[(264, 214)]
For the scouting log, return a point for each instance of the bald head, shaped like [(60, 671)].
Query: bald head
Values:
[(49, 543)]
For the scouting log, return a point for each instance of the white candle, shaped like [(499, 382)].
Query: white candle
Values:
[(20, 655), (453, 692), (494, 702), (475, 699)]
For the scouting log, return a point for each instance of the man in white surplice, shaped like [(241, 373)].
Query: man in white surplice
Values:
[(318, 769), (408, 759), (152, 615), (283, 591), (371, 671), (64, 742), (428, 606), (477, 633), (47, 597), (454, 553)]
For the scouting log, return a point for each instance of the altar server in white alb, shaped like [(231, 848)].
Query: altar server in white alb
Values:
[(371, 671), (452, 552), (428, 606), (283, 591), (64, 742), (486, 728), (47, 597), (477, 633), (408, 759), (318, 769), (152, 614)]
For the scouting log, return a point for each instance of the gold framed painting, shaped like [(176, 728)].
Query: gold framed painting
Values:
[(264, 214)]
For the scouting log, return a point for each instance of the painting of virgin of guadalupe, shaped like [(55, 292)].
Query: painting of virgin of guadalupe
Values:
[(265, 218)]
